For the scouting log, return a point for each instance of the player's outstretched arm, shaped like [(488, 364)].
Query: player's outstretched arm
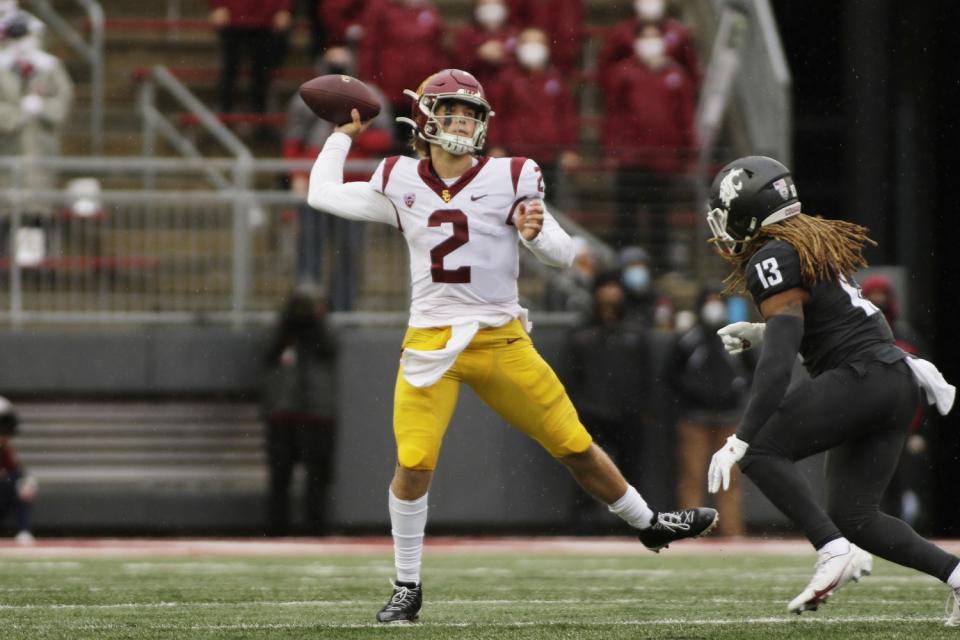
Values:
[(353, 200)]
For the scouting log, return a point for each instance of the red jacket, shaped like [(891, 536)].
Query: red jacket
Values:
[(470, 38), (401, 46), (252, 13), (649, 117), (678, 42), (338, 16), (535, 117), (561, 20)]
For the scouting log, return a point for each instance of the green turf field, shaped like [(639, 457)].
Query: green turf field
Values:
[(467, 595)]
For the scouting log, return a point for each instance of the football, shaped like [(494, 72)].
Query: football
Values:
[(332, 97)]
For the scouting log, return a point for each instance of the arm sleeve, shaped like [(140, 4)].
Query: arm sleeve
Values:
[(353, 200), (552, 246), (781, 343)]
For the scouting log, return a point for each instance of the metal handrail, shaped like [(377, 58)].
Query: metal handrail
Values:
[(92, 52)]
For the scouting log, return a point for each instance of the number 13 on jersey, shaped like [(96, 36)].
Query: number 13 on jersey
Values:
[(769, 273)]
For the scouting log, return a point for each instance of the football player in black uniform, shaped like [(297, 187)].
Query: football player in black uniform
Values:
[(860, 398)]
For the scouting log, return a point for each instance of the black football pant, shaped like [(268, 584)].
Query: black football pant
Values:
[(859, 414)]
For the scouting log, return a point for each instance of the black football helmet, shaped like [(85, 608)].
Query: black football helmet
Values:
[(747, 194)]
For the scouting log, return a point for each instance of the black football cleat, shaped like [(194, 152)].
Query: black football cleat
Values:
[(670, 526), (404, 605)]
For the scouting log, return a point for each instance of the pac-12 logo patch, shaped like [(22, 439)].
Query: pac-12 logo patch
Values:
[(782, 188), (409, 199)]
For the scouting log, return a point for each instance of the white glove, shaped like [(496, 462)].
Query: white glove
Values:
[(31, 105), (740, 336), (27, 488), (722, 460)]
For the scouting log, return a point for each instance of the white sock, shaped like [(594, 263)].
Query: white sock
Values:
[(954, 579), (633, 509), (408, 519), (836, 547)]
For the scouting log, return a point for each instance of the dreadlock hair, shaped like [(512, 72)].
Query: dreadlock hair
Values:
[(827, 248)]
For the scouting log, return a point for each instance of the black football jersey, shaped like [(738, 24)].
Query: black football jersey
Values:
[(839, 325)]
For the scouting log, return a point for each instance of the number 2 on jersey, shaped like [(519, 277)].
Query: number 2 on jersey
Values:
[(460, 237), (769, 273)]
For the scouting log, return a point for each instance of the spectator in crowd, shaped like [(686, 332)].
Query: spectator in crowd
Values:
[(403, 42), (18, 489), (608, 375), (561, 20), (649, 137), (677, 41), (906, 496), (341, 19), (299, 407), (571, 289), (36, 94), (318, 30), (529, 91), (486, 46), (303, 139), (710, 388), (256, 29), (642, 297)]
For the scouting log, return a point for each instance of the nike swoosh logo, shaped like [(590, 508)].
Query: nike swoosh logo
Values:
[(512, 340), (475, 198)]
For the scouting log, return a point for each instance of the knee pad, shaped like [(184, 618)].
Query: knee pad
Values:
[(416, 458)]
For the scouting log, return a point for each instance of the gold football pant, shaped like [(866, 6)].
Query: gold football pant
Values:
[(504, 369)]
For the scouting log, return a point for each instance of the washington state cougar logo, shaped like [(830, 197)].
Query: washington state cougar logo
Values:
[(730, 187)]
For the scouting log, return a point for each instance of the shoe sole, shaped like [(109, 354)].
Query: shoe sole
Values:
[(710, 527), (813, 603)]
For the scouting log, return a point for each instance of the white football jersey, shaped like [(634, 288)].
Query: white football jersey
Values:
[(464, 260)]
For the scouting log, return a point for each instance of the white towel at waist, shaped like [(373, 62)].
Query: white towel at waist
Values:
[(424, 368), (938, 391)]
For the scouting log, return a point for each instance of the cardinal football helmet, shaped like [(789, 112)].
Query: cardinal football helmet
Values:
[(448, 85), (747, 194)]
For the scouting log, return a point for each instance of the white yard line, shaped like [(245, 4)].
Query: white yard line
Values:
[(95, 547), (680, 622)]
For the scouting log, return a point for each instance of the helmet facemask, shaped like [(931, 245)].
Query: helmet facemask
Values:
[(428, 125), (728, 245)]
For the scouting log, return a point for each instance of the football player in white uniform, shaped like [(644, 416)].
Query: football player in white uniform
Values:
[(463, 215)]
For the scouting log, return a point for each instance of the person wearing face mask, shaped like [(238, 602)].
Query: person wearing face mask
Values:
[(649, 139), (709, 387), (486, 45), (36, 94), (678, 41), (561, 20), (529, 90), (608, 377), (642, 297), (403, 42), (303, 138)]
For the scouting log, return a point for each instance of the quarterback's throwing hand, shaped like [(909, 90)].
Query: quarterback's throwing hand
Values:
[(529, 219), (723, 460), (354, 128)]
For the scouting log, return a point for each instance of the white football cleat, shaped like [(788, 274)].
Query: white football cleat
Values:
[(832, 572), (953, 609)]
